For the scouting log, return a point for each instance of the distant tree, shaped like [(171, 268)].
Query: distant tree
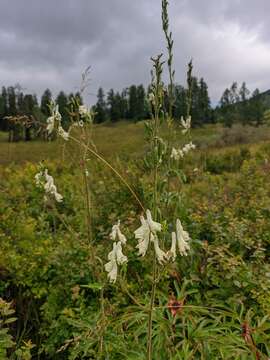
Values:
[(62, 101), (256, 108), (113, 105), (3, 109), (132, 102), (243, 106), (180, 103), (100, 107), (225, 108), (204, 107), (46, 98), (141, 103)]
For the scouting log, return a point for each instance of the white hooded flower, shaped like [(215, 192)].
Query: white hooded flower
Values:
[(186, 124), (171, 254), (64, 134), (146, 232), (183, 238), (111, 266), (117, 234), (120, 257), (50, 124), (44, 179), (176, 154), (160, 254), (115, 257), (188, 147), (55, 117)]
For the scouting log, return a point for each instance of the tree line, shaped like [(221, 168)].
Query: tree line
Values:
[(236, 105)]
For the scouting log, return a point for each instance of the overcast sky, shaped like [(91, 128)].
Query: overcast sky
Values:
[(49, 43)]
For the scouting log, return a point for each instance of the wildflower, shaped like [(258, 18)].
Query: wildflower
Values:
[(86, 173), (171, 254), (84, 111), (186, 124), (43, 179), (115, 257), (116, 233), (160, 254), (111, 266), (177, 154), (182, 237), (64, 134), (188, 147), (146, 232), (55, 117), (151, 98)]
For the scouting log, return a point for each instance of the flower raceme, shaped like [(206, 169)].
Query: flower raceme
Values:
[(177, 154), (186, 124), (43, 179), (145, 234), (55, 117), (116, 256)]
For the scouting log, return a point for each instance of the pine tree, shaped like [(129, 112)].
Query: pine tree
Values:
[(141, 103), (62, 101), (46, 98), (256, 108), (100, 107), (243, 107), (132, 102)]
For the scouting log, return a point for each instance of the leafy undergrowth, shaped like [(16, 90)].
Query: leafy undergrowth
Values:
[(212, 304)]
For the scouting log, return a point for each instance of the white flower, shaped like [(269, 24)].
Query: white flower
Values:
[(177, 154), (117, 234), (50, 124), (120, 257), (188, 147), (38, 178), (86, 173), (186, 124), (160, 254), (171, 254), (183, 238), (151, 98), (115, 257), (44, 179), (146, 232), (84, 111), (64, 134), (55, 116)]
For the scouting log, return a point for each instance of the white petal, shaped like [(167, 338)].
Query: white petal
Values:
[(153, 225), (120, 257), (160, 254)]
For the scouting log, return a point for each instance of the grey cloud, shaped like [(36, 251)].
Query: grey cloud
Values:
[(49, 43)]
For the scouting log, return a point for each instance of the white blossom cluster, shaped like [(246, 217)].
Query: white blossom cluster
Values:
[(177, 154), (186, 124), (116, 256), (54, 121), (146, 234), (43, 179)]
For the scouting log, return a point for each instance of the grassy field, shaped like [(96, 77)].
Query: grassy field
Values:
[(128, 140)]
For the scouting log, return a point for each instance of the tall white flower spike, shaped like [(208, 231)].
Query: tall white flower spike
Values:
[(171, 254), (186, 124), (183, 238), (64, 134), (116, 256), (43, 179), (117, 234), (55, 117), (160, 254), (146, 232)]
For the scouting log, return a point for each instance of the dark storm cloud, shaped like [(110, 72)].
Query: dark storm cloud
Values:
[(49, 43)]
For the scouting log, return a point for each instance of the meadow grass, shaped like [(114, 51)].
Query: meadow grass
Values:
[(127, 140)]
